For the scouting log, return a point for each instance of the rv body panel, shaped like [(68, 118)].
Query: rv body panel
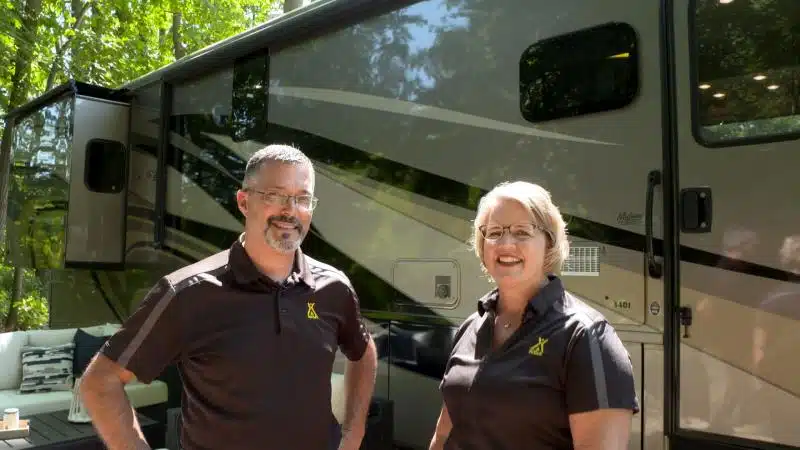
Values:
[(421, 134)]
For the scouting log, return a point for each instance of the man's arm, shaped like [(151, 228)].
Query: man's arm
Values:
[(361, 368), (442, 431), (359, 383), (149, 340), (103, 393)]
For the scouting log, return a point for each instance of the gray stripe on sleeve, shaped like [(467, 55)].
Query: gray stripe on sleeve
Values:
[(148, 325), (599, 371)]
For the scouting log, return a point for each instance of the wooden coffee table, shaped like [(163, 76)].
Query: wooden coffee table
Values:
[(53, 431)]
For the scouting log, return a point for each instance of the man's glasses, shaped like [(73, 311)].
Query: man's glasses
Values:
[(520, 232), (305, 201)]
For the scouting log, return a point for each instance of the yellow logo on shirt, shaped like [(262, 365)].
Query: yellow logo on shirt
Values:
[(538, 348), (311, 313)]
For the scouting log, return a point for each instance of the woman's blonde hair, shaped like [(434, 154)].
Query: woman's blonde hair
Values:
[(544, 212)]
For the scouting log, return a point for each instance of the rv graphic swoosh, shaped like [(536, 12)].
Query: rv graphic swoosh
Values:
[(417, 110)]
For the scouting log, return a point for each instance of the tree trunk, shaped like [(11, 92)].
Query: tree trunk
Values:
[(16, 294), (177, 45), (20, 85), (78, 12)]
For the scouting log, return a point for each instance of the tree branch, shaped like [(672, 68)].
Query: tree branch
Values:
[(79, 16)]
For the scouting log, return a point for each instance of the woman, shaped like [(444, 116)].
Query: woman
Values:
[(533, 367)]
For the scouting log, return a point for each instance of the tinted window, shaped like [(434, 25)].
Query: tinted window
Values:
[(584, 72), (105, 166), (217, 119), (746, 69), (249, 99), (211, 167)]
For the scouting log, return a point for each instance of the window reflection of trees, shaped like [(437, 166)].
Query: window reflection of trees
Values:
[(748, 68), (39, 191), (464, 52)]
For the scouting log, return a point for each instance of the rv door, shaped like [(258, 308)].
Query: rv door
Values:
[(737, 309)]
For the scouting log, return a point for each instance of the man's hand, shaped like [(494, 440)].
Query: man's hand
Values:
[(351, 439)]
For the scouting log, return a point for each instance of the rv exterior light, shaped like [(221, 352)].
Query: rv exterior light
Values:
[(759, 77), (705, 86), (772, 87), (719, 95), (725, 2)]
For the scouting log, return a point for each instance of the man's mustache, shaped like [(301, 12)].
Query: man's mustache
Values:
[(284, 219)]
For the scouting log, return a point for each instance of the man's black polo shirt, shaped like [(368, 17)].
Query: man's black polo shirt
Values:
[(255, 357), (564, 359)]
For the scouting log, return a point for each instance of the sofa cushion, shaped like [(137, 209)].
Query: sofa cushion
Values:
[(50, 338), (11, 344), (111, 328), (86, 346), (140, 395), (47, 369)]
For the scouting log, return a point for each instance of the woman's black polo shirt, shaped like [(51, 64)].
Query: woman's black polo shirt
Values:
[(565, 358), (255, 357)]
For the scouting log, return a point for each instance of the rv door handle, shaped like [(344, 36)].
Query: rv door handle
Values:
[(653, 265), (695, 210)]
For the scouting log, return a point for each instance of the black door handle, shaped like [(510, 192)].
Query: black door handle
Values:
[(653, 265)]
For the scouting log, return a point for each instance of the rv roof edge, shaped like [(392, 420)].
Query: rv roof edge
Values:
[(70, 86)]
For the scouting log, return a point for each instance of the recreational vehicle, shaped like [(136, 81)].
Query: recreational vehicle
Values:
[(665, 130)]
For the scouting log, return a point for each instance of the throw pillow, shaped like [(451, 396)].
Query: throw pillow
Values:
[(46, 369), (86, 346)]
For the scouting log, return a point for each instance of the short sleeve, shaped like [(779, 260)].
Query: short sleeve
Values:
[(353, 335), (151, 338), (599, 372), (451, 350)]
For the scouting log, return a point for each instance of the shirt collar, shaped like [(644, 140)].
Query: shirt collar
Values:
[(538, 305), (246, 272)]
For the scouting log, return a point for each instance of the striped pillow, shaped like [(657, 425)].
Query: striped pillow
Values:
[(46, 369)]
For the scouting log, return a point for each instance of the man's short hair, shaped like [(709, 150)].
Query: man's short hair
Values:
[(280, 153)]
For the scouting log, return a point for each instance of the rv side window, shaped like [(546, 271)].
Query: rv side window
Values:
[(105, 166), (746, 70), (249, 99), (588, 71)]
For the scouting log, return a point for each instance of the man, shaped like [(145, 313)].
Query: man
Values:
[(253, 329)]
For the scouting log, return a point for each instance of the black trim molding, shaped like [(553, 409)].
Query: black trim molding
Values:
[(69, 87)]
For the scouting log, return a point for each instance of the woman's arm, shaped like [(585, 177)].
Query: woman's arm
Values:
[(600, 390), (602, 429), (443, 427)]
